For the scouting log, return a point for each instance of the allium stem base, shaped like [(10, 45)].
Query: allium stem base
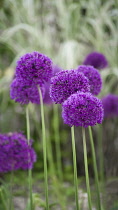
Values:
[(86, 169), (75, 168), (44, 150)]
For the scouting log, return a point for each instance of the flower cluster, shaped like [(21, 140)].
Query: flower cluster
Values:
[(94, 78), (97, 60), (32, 71), (110, 104), (15, 153), (34, 67), (82, 109), (66, 83)]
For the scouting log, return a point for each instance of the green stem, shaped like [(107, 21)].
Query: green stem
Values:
[(49, 144), (11, 192), (50, 158), (95, 169), (86, 169), (29, 171), (57, 141), (44, 149), (75, 168), (101, 156), (3, 200)]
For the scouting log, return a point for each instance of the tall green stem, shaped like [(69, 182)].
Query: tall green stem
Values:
[(29, 171), (4, 200), (11, 192), (57, 142), (86, 169), (50, 157), (44, 149), (95, 169), (100, 153), (75, 168)]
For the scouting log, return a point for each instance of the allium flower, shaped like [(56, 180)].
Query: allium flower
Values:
[(97, 60), (47, 99), (15, 153), (82, 109), (94, 77), (34, 67), (110, 104), (24, 92), (66, 83)]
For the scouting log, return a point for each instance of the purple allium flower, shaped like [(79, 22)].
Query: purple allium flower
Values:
[(15, 153), (82, 109), (35, 67), (97, 60), (94, 77), (23, 92), (66, 83), (47, 99), (110, 105)]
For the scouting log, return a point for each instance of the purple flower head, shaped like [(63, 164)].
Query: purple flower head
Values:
[(47, 99), (66, 83), (15, 153), (97, 60), (24, 93), (35, 67), (94, 77), (110, 104), (82, 109)]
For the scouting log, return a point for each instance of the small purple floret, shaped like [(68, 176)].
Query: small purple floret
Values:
[(97, 60), (15, 153), (94, 78), (24, 93), (35, 67), (110, 104), (82, 109), (66, 83)]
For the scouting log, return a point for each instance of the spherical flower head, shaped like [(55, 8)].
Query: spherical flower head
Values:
[(97, 60), (66, 83), (47, 99), (94, 78), (34, 67), (110, 104), (25, 92), (15, 152), (82, 109)]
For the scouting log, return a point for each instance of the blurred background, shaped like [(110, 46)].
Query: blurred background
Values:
[(66, 31)]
